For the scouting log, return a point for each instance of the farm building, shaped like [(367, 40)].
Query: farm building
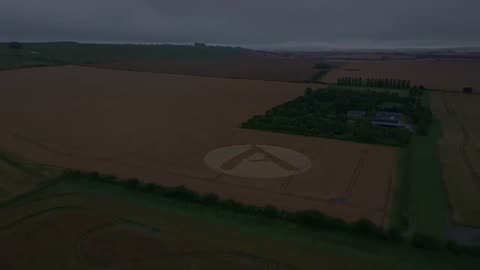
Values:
[(388, 119)]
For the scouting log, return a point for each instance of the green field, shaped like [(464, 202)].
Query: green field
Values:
[(420, 202)]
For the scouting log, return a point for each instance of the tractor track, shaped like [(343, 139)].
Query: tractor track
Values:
[(462, 147)]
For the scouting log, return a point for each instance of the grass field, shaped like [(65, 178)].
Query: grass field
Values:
[(420, 202), (91, 225), (429, 204), (460, 154)]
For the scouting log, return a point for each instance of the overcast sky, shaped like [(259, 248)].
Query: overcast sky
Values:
[(255, 23)]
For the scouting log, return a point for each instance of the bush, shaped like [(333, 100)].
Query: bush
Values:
[(132, 183), (425, 242), (182, 192), (312, 218), (309, 218), (210, 199), (368, 228), (271, 212), (93, 175), (148, 188), (107, 178), (454, 247), (72, 174), (394, 235)]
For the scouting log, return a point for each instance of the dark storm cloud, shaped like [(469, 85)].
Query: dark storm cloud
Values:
[(277, 23)]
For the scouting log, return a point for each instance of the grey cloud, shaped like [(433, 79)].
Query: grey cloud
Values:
[(275, 23)]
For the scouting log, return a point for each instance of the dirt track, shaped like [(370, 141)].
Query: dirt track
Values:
[(158, 128)]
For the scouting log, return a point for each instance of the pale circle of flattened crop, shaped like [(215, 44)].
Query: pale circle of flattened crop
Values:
[(257, 161)]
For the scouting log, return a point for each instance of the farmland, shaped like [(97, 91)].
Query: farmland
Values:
[(451, 75), (153, 132), (254, 67), (158, 128), (459, 152), (209, 61)]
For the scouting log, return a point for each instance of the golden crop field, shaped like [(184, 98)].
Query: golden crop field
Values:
[(160, 128), (460, 153)]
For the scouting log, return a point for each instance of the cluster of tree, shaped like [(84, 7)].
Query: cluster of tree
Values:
[(312, 219), (323, 113), (374, 82)]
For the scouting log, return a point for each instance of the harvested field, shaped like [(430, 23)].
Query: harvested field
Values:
[(246, 67), (452, 75), (159, 128), (460, 153)]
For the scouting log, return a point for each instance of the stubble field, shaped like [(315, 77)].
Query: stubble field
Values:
[(159, 128)]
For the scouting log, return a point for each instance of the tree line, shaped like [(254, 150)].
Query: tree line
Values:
[(374, 82), (312, 219)]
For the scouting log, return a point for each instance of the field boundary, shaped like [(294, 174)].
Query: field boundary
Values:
[(200, 76), (356, 173)]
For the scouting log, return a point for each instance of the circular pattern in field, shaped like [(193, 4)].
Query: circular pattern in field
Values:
[(257, 161)]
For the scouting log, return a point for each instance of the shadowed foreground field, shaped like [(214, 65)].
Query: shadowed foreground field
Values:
[(83, 224)]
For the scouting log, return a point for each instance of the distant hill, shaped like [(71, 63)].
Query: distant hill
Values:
[(63, 53), (197, 59)]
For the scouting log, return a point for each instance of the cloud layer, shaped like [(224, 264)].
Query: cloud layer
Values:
[(261, 23)]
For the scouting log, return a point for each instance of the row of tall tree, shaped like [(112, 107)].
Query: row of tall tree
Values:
[(374, 82)]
